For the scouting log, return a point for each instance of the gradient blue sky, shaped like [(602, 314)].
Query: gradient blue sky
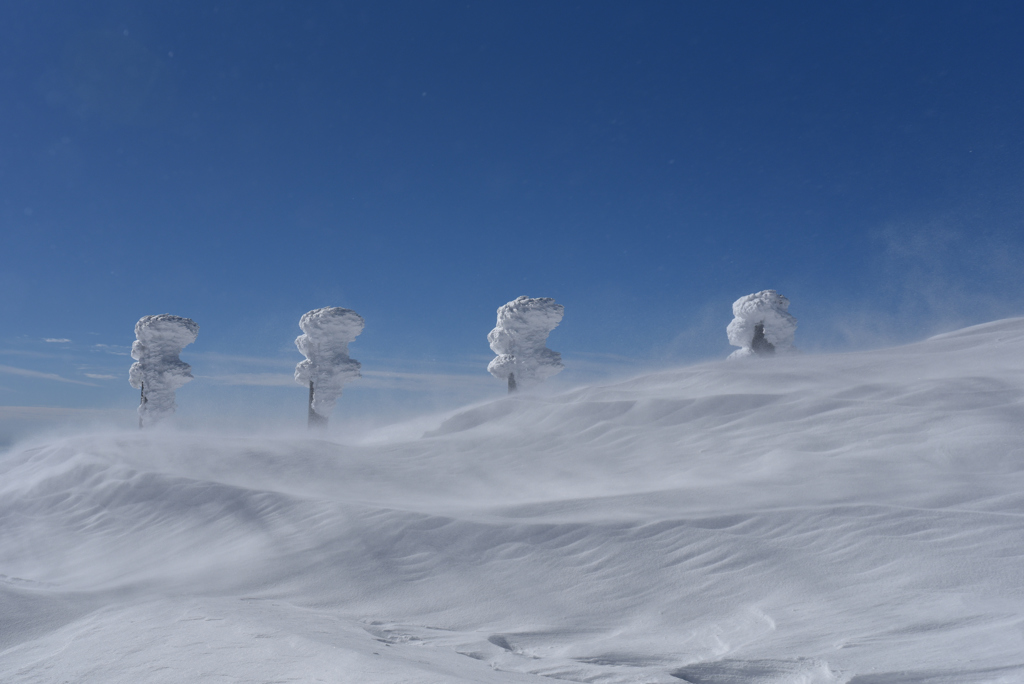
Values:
[(644, 163)]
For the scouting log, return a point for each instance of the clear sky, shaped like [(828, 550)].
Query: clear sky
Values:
[(644, 163)]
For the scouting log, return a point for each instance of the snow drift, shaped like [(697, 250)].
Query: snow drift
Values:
[(158, 371), (520, 339), (327, 334), (762, 325), (840, 519)]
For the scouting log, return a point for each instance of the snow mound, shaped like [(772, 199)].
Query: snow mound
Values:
[(761, 325), (520, 337), (327, 333), (158, 371), (829, 519)]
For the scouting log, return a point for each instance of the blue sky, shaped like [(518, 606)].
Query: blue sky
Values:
[(422, 162)]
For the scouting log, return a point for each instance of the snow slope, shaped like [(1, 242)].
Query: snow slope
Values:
[(840, 518)]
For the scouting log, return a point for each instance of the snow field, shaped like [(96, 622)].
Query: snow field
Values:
[(847, 518)]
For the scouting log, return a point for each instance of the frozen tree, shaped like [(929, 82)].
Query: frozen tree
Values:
[(519, 341), (327, 367), (158, 372), (761, 325)]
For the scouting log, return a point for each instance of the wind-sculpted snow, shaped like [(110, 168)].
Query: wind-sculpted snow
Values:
[(328, 332), (850, 519), (520, 337), (762, 325), (158, 371)]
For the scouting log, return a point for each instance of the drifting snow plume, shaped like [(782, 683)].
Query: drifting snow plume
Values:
[(519, 341), (327, 365), (762, 325), (157, 370)]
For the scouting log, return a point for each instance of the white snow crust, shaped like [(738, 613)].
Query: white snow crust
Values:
[(852, 519), (328, 332), (520, 337), (159, 341), (767, 308)]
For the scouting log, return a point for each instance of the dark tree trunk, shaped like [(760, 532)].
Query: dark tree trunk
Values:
[(142, 401), (315, 419), (511, 383)]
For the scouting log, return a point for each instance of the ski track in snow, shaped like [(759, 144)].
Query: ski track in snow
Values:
[(854, 519)]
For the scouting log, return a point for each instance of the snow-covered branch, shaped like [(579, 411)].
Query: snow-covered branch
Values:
[(519, 340), (328, 332), (762, 325), (157, 371)]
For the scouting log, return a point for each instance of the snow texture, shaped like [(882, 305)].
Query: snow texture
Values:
[(829, 519), (761, 318), (520, 337), (159, 341), (328, 332)]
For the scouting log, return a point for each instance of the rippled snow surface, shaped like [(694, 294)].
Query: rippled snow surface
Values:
[(843, 518)]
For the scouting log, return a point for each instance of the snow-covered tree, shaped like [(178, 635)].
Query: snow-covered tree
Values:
[(519, 340), (762, 325), (327, 367), (158, 372)]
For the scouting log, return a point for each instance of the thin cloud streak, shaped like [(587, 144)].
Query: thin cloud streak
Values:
[(11, 370), (421, 381), (44, 412), (34, 354), (112, 349), (211, 356), (369, 380), (252, 379)]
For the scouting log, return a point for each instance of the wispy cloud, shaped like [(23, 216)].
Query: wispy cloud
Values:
[(99, 376), (218, 357), (24, 372), (38, 412), (370, 380), (253, 379), (56, 339), (421, 381), (32, 353), (116, 350)]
